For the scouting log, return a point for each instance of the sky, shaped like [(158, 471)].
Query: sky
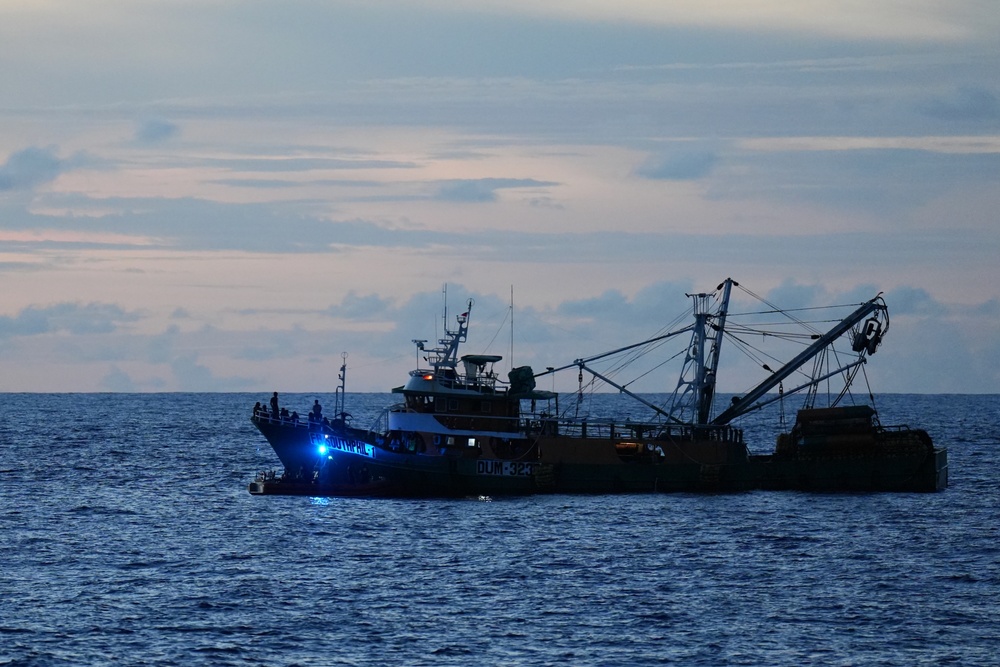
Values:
[(222, 195)]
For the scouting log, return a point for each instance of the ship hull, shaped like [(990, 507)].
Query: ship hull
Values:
[(353, 465), (295, 443), (911, 472)]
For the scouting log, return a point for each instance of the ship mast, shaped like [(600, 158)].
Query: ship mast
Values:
[(695, 389), (339, 395), (446, 354), (511, 327)]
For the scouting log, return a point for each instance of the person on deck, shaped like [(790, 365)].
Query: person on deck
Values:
[(274, 406)]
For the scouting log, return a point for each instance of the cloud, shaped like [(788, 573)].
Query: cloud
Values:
[(915, 21), (482, 189), (29, 168), (160, 348), (191, 375), (173, 348), (72, 318), (366, 307), (229, 359), (281, 107), (791, 294), (118, 380), (197, 224), (155, 131), (680, 166), (967, 104), (914, 301), (884, 182), (295, 228), (989, 309), (278, 184), (611, 304), (283, 164)]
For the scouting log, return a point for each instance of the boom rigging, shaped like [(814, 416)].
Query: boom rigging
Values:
[(693, 397), (748, 402)]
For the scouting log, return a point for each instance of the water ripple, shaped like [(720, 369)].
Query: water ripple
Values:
[(130, 539)]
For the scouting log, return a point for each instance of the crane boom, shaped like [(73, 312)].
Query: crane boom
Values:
[(746, 403)]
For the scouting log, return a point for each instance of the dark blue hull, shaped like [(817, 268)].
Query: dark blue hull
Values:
[(331, 461)]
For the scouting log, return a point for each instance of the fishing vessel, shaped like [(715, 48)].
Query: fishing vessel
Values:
[(459, 429)]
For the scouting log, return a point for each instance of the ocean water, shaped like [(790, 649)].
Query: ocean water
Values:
[(128, 538)]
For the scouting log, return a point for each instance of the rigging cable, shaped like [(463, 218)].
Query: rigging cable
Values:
[(499, 329), (778, 310), (871, 397)]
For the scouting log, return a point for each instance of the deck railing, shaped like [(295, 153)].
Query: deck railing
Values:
[(542, 424), (300, 422)]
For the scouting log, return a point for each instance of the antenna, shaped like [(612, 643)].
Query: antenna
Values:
[(419, 342), (444, 297), (512, 327), (339, 400)]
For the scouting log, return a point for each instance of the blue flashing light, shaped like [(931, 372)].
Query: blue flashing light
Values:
[(322, 449)]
